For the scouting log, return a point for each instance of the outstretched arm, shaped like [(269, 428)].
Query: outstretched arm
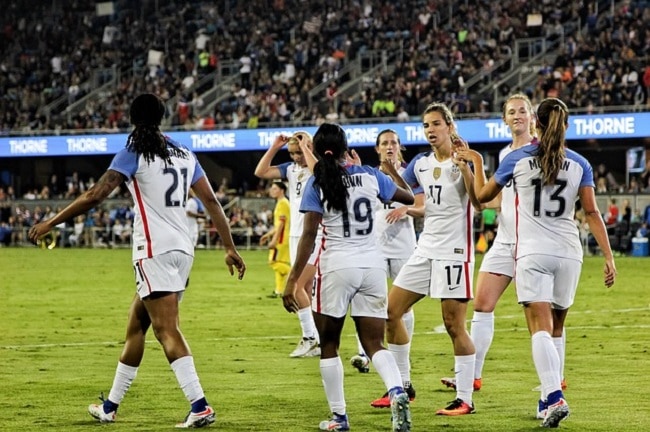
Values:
[(206, 194), (599, 231), (489, 191), (305, 246), (310, 158), (89, 199)]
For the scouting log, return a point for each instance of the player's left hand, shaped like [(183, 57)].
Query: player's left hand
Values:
[(353, 158), (234, 260), (396, 214), (289, 298), (38, 231)]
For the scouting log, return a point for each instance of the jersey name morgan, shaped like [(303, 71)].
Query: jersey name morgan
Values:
[(544, 214)]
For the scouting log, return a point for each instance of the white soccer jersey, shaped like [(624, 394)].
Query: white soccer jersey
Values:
[(506, 217), (160, 194), (396, 240), (544, 215), (448, 214), (349, 238), (297, 177), (192, 206)]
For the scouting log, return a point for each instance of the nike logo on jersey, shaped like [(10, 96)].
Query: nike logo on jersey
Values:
[(423, 169), (454, 287)]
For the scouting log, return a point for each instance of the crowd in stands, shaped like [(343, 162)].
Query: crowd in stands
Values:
[(111, 225), (284, 48)]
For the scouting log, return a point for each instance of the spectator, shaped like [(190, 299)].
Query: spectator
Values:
[(611, 216)]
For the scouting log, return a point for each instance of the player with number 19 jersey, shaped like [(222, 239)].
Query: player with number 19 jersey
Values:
[(448, 231), (544, 215), (160, 223), (349, 239)]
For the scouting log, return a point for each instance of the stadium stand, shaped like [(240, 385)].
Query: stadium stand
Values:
[(305, 61), (71, 66)]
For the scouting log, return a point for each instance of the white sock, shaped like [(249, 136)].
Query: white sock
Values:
[(331, 372), (409, 322), (482, 333), (464, 372), (547, 362), (360, 349), (387, 369), (560, 346), (401, 353), (124, 376), (188, 378), (307, 323)]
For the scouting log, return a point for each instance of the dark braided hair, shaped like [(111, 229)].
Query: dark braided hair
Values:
[(552, 121), (147, 111), (331, 144)]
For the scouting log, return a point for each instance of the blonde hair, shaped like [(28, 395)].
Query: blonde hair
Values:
[(529, 106), (298, 136)]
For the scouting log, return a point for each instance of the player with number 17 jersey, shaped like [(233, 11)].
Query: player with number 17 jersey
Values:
[(160, 223), (447, 232), (349, 238)]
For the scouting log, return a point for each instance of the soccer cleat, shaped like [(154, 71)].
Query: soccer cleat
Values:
[(555, 414), (307, 347), (542, 406), (384, 401), (336, 423), (456, 407), (400, 413), (361, 362), (197, 420), (451, 383), (98, 412), (562, 386)]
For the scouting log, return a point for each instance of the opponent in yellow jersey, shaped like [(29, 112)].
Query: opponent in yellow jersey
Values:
[(278, 237)]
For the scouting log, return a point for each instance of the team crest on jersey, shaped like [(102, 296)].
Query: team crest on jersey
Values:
[(436, 173), (300, 176), (454, 174)]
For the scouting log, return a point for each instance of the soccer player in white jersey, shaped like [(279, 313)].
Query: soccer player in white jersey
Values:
[(343, 199), (296, 173), (396, 237), (159, 174), (442, 265), (498, 266), (548, 177)]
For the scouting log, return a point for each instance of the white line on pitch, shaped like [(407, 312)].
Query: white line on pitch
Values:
[(437, 330)]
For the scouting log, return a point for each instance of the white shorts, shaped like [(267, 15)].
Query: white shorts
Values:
[(499, 259), (437, 278), (549, 279), (293, 249), (167, 272), (393, 266), (364, 290)]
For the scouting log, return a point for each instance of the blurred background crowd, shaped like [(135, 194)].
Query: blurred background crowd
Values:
[(73, 66)]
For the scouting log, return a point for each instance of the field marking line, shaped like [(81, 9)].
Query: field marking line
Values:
[(437, 330)]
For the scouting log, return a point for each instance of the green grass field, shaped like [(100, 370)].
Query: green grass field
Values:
[(63, 313)]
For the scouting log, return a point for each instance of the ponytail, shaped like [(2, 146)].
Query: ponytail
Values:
[(331, 144), (552, 121)]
